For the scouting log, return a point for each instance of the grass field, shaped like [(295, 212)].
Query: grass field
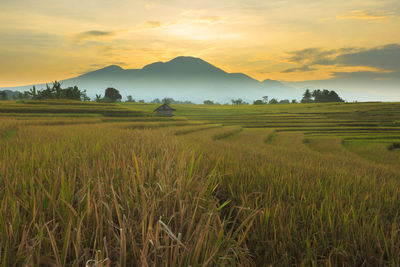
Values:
[(270, 185)]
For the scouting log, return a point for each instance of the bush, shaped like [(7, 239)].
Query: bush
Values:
[(258, 102), (394, 146)]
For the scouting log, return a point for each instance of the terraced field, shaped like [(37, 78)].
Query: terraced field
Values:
[(281, 185)]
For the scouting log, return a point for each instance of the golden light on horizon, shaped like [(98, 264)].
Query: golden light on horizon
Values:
[(43, 41)]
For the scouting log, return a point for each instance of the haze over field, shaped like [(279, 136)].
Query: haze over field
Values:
[(352, 46)]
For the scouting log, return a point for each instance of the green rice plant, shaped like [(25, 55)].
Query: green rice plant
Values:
[(227, 133), (188, 130), (270, 138), (331, 145), (288, 184), (146, 118), (374, 151), (393, 146), (156, 124)]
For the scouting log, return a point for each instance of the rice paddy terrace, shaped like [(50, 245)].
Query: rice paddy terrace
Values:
[(362, 128), (112, 184)]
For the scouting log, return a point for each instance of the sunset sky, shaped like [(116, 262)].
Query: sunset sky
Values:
[(288, 40)]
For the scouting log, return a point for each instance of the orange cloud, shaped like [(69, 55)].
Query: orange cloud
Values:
[(366, 15), (153, 24)]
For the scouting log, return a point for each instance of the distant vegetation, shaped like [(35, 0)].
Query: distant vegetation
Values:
[(10, 95), (262, 101), (238, 101), (111, 95), (208, 102), (168, 100), (55, 92), (318, 96)]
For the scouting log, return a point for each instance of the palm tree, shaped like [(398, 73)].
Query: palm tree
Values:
[(57, 89), (32, 92)]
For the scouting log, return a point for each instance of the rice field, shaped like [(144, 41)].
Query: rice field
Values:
[(89, 184)]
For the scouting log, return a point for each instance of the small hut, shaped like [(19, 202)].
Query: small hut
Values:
[(164, 110)]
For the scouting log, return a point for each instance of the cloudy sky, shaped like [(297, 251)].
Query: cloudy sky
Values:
[(288, 40)]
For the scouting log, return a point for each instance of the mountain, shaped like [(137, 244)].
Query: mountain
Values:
[(182, 78)]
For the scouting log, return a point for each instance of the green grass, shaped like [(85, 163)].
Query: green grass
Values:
[(270, 139), (9, 134), (273, 185), (394, 146), (65, 107), (227, 132)]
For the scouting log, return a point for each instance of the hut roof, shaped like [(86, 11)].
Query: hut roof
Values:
[(164, 107)]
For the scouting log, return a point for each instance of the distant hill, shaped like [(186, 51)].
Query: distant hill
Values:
[(182, 78)]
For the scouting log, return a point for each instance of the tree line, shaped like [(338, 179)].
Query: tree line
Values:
[(165, 100), (55, 91), (113, 95), (316, 96), (320, 96)]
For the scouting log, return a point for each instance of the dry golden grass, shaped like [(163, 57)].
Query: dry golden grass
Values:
[(131, 197), (80, 191)]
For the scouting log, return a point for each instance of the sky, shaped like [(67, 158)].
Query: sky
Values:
[(287, 40)]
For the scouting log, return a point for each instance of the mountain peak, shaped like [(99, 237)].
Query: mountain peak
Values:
[(112, 67), (109, 70), (187, 59), (269, 81), (185, 65)]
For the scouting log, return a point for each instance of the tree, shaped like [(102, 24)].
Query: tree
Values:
[(258, 102), (320, 96), (72, 93), (112, 94), (156, 101), (21, 96), (273, 101), (85, 96), (129, 98), (3, 95), (326, 96), (167, 100), (294, 101), (32, 92), (238, 101), (98, 98), (56, 92), (307, 97), (334, 97), (284, 101), (26, 95), (208, 102), (47, 93), (265, 99)]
